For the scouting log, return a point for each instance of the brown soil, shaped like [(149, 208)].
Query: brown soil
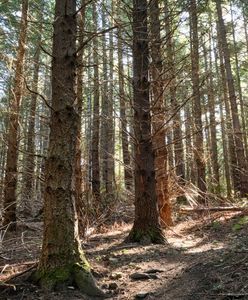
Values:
[(206, 258)]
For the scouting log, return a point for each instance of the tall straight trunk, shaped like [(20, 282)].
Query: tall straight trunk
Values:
[(177, 130), (62, 261), (222, 95), (197, 110), (215, 179), (238, 135), (96, 122), (189, 146), (158, 118), (231, 145), (106, 123), (13, 127), (146, 227), (207, 147), (78, 163), (241, 100), (28, 184), (128, 177), (111, 119)]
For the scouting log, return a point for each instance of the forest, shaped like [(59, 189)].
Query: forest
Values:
[(123, 149)]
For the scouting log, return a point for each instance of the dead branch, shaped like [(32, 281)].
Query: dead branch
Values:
[(189, 210)]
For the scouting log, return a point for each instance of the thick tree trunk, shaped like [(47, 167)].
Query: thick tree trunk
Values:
[(13, 127), (197, 111), (96, 123), (146, 228), (62, 261), (238, 135), (158, 118)]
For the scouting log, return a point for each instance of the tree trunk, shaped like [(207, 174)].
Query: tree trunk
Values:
[(146, 228), (62, 261), (241, 100), (215, 179), (111, 118), (177, 130), (197, 111), (96, 123), (221, 95), (28, 185), (231, 147), (106, 144), (78, 158), (13, 130), (128, 176), (158, 118), (238, 135)]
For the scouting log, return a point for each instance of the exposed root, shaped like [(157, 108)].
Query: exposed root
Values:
[(76, 275)]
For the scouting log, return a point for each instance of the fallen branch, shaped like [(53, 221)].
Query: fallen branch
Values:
[(189, 210)]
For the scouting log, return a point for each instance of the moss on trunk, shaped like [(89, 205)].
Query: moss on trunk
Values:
[(77, 275)]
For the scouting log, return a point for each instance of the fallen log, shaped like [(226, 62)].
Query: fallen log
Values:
[(189, 210)]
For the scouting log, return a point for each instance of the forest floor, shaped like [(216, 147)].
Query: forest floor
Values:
[(205, 258)]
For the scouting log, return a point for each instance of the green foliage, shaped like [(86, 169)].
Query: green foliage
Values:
[(240, 224)]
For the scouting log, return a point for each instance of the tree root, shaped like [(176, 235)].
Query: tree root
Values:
[(76, 275)]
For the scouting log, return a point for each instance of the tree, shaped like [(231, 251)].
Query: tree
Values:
[(146, 227), (28, 188), (237, 131), (197, 110), (96, 122), (13, 124), (62, 261), (158, 118), (128, 176)]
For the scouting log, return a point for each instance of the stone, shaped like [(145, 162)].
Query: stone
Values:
[(115, 276), (153, 271), (143, 276), (141, 295), (113, 286)]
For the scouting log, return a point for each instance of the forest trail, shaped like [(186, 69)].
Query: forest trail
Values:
[(206, 258)]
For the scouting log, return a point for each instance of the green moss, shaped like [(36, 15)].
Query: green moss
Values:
[(77, 274), (53, 278)]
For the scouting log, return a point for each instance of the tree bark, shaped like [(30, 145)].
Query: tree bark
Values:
[(215, 179), (197, 111), (128, 176), (238, 135), (62, 261), (78, 163), (146, 228), (13, 127), (158, 118), (96, 122), (28, 185), (177, 130)]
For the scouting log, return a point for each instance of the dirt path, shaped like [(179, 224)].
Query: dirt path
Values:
[(204, 259)]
